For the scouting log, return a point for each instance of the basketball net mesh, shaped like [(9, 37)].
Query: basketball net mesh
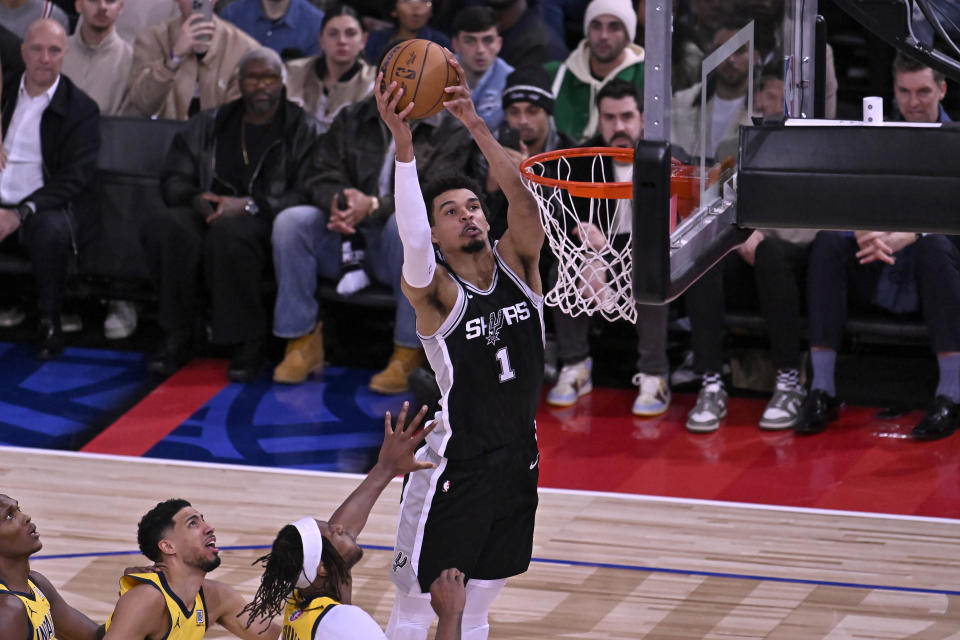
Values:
[(594, 262)]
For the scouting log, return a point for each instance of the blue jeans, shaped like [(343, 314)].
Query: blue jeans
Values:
[(303, 249)]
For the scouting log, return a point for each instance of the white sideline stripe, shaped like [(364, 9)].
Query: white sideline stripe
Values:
[(544, 490)]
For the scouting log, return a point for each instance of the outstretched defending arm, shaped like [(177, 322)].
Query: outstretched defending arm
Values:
[(396, 457)]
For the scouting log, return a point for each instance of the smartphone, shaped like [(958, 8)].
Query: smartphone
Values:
[(204, 8), (510, 138)]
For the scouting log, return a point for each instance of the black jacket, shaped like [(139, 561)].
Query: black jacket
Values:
[(190, 166), (69, 140), (353, 149)]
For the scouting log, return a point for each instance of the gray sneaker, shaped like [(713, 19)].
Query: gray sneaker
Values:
[(783, 409), (710, 409)]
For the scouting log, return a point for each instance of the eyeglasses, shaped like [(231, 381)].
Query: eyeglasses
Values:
[(268, 79)]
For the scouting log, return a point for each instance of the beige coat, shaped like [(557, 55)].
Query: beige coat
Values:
[(157, 91), (305, 89), (102, 71)]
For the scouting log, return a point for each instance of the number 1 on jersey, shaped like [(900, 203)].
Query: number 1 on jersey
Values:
[(506, 371)]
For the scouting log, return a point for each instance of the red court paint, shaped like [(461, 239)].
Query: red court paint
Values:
[(157, 415)]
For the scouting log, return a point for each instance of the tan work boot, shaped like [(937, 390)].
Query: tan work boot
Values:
[(304, 356), (393, 379)]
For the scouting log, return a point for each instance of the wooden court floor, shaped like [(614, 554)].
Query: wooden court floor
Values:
[(605, 565)]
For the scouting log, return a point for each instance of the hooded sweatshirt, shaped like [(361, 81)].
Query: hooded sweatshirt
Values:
[(576, 89)]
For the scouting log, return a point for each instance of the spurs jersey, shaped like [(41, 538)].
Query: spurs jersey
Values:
[(184, 624), (300, 623), (37, 609), (488, 359)]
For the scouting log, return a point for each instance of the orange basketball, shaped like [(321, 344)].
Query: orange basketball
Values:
[(420, 67)]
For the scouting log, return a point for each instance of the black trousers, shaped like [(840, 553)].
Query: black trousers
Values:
[(837, 279), (775, 282), (47, 240), (225, 262)]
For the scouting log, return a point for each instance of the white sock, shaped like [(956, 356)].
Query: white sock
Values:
[(480, 595), (411, 617), (352, 281)]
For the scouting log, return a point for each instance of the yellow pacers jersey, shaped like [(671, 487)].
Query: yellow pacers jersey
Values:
[(184, 624), (301, 623), (38, 610)]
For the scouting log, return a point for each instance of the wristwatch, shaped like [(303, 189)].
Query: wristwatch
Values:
[(251, 207), (24, 211)]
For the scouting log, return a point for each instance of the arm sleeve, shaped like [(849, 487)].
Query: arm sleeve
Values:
[(419, 262), (348, 621)]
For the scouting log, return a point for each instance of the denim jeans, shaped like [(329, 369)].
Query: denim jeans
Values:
[(303, 249)]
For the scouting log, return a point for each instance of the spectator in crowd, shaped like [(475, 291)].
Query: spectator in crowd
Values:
[(411, 18), (564, 17), (895, 271), (138, 15), (339, 76), (51, 133), (477, 42), (18, 15), (10, 56), (186, 64), (778, 258), (355, 159), (227, 175), (289, 27), (526, 39), (606, 52), (695, 30), (98, 61), (527, 130), (620, 106), (726, 101)]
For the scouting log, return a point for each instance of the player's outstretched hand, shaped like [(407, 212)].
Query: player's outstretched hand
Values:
[(458, 101), (387, 106), (400, 442)]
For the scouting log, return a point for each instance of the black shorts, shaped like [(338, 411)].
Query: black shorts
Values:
[(476, 515)]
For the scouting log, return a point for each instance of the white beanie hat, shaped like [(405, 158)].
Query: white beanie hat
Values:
[(622, 9)]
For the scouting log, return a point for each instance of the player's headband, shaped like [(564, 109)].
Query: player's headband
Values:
[(312, 543)]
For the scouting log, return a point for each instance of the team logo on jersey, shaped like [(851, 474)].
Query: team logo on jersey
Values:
[(199, 617), (399, 562), (446, 486), (491, 325), (296, 614)]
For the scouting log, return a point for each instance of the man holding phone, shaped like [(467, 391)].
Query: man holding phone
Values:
[(187, 64)]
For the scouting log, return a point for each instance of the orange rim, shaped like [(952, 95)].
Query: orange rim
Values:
[(610, 190)]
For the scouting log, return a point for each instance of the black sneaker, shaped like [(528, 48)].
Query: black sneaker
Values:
[(246, 362), (941, 420), (173, 354), (818, 409)]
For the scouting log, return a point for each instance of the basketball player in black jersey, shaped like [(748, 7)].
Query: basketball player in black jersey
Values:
[(479, 317), (30, 607)]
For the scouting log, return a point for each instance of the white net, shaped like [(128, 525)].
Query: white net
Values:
[(590, 237)]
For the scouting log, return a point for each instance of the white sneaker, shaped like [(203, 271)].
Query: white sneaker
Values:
[(710, 409), (784, 408), (11, 316), (654, 396), (71, 322), (121, 320), (573, 382)]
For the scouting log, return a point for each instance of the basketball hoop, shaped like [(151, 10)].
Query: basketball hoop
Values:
[(591, 236)]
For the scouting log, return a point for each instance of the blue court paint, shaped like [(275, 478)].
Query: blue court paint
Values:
[(593, 565), (330, 423)]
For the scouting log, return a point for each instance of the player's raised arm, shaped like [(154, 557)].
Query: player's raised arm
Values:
[(523, 219), (413, 225), (396, 457)]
